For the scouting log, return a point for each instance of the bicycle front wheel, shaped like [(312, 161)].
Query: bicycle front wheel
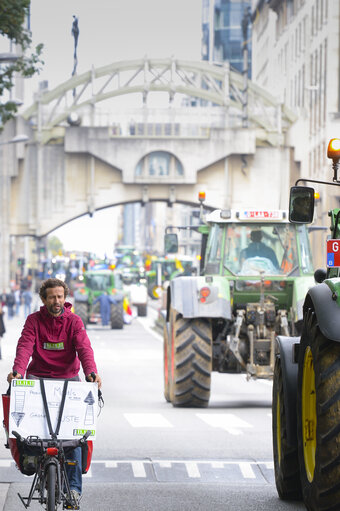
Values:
[(51, 487)]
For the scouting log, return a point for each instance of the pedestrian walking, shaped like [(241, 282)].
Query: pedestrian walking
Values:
[(27, 299), (2, 325), (17, 297), (105, 307), (10, 302)]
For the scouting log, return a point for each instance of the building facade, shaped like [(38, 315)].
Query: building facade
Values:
[(296, 57), (224, 25)]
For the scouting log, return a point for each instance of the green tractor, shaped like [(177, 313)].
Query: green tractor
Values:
[(306, 388), (163, 269), (256, 268), (96, 282)]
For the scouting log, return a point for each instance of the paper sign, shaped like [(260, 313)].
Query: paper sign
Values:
[(27, 416)]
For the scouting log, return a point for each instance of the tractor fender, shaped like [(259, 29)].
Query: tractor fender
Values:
[(289, 378), (323, 299), (185, 298)]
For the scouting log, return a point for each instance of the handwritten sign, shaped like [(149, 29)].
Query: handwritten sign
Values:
[(27, 416)]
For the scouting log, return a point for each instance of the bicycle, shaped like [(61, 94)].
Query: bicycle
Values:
[(50, 480), (47, 459)]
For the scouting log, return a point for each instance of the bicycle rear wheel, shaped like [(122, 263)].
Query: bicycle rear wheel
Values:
[(51, 487)]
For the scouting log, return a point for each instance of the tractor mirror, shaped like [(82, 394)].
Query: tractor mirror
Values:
[(170, 243), (301, 205)]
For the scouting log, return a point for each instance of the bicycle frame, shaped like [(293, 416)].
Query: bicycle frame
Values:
[(51, 453)]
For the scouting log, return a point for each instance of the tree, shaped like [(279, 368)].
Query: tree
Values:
[(54, 244), (12, 18)]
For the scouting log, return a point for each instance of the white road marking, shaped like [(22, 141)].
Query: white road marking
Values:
[(227, 421), (192, 469), (138, 468), (147, 420), (5, 463), (247, 470)]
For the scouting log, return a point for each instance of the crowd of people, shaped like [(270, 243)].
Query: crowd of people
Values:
[(13, 301)]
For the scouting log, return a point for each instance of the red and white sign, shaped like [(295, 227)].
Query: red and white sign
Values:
[(333, 253), (260, 214)]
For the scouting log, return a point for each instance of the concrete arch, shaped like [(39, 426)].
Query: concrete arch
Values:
[(213, 83), (172, 170)]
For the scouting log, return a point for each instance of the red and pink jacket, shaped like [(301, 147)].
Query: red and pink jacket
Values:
[(57, 345)]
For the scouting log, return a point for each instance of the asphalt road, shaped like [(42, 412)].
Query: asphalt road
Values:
[(149, 455)]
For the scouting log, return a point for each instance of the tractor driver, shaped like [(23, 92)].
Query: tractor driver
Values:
[(257, 248)]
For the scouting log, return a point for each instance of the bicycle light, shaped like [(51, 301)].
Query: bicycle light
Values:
[(52, 451)]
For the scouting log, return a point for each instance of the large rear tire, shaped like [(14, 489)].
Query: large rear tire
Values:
[(191, 361), (51, 478), (319, 417), (142, 309), (286, 463), (166, 362), (117, 316), (80, 308)]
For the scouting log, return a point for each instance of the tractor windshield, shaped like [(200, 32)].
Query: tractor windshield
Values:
[(251, 249), (98, 281)]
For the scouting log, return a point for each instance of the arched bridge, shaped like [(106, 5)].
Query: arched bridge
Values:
[(217, 133)]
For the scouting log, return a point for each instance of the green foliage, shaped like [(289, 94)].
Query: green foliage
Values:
[(54, 245), (12, 25)]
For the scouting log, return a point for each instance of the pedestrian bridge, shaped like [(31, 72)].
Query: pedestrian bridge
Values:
[(218, 133)]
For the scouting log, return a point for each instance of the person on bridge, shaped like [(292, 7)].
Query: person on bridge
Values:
[(105, 307), (57, 341), (257, 248)]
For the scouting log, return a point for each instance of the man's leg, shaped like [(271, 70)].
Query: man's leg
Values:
[(74, 473)]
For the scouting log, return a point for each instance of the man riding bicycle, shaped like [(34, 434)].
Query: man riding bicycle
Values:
[(56, 341)]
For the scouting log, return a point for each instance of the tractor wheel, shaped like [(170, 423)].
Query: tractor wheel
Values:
[(154, 291), (117, 316), (80, 308), (191, 361), (142, 310), (319, 417), (286, 464), (166, 362)]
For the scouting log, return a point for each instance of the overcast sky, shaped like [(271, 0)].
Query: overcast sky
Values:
[(113, 30), (110, 31)]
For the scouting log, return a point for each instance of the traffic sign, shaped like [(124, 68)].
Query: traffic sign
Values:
[(333, 253)]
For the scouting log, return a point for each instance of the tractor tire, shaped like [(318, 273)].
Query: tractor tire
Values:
[(142, 310), (318, 413), (166, 363), (117, 316), (80, 308), (286, 463), (153, 291), (191, 361)]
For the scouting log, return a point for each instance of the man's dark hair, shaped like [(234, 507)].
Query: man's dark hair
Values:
[(52, 283)]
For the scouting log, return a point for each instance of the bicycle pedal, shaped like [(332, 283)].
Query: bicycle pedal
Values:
[(71, 463)]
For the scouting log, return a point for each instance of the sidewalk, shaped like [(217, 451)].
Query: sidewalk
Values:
[(8, 345)]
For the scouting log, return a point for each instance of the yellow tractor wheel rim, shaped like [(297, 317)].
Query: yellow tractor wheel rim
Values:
[(308, 405), (278, 428)]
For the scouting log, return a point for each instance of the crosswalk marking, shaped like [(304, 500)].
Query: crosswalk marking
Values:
[(227, 421), (166, 471), (192, 469), (247, 470), (147, 420)]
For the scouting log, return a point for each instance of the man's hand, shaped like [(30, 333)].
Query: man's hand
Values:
[(11, 377), (96, 380)]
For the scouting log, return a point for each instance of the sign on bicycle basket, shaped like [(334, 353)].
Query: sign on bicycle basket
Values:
[(27, 415)]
